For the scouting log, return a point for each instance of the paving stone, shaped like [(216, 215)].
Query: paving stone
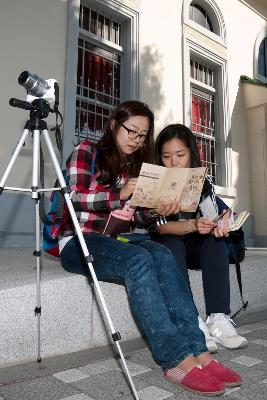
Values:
[(254, 326), (71, 375), (108, 386), (79, 396), (244, 360), (230, 390), (243, 332), (252, 392), (150, 393), (262, 342), (145, 357), (153, 392), (187, 395), (257, 334), (39, 389), (156, 378), (100, 367), (113, 365), (137, 369)]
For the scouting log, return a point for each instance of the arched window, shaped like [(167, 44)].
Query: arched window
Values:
[(262, 58), (200, 16), (206, 107)]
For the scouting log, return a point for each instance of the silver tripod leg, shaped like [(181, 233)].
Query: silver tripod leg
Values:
[(13, 158), (35, 196), (37, 252), (88, 258)]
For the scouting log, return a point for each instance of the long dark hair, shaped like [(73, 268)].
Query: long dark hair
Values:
[(109, 161), (178, 131)]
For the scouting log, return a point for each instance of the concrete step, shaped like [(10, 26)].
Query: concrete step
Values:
[(71, 318)]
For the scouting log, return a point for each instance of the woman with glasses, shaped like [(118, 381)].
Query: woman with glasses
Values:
[(158, 295)]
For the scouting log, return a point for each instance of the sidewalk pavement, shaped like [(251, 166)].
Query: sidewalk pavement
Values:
[(96, 374)]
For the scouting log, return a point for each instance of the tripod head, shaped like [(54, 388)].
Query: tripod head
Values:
[(38, 108)]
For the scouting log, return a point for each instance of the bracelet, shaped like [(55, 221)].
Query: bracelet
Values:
[(188, 230), (161, 220)]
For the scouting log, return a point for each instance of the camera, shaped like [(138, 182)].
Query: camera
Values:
[(37, 87)]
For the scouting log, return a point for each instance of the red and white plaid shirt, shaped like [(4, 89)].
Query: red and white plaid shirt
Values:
[(92, 201)]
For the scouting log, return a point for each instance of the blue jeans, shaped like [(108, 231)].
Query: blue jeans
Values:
[(158, 294)]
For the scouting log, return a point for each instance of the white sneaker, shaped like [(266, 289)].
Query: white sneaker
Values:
[(210, 343), (222, 330)]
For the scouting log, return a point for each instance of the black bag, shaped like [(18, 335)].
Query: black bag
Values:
[(236, 254), (236, 246)]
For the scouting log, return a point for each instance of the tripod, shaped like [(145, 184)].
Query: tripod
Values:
[(39, 109)]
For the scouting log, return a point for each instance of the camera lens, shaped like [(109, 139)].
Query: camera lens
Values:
[(34, 85)]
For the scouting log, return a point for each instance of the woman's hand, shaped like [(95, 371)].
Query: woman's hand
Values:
[(205, 226), (128, 189), (222, 227), (168, 208)]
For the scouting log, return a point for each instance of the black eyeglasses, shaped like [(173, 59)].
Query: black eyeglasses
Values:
[(132, 134)]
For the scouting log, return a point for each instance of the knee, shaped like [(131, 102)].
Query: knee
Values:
[(139, 267)]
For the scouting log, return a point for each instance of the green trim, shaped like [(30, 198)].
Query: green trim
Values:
[(246, 79)]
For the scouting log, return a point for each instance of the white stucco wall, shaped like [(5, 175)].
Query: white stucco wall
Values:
[(33, 37), (161, 83)]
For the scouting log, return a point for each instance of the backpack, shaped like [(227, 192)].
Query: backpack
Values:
[(57, 215), (236, 253), (53, 221)]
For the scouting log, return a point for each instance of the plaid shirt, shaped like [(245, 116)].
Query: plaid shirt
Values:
[(92, 201)]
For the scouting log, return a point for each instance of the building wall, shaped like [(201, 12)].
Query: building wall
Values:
[(161, 48), (34, 38)]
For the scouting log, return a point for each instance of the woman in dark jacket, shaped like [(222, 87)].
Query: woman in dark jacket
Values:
[(197, 241)]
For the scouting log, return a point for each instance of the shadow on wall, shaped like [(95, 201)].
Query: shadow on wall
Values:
[(151, 78)]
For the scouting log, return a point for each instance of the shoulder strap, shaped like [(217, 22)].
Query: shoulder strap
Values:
[(239, 280), (94, 153)]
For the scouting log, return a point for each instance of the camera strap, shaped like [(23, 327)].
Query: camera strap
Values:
[(58, 114)]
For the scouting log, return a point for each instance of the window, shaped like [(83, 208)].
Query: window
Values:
[(200, 16), (203, 97), (101, 67), (262, 58), (98, 72), (206, 108)]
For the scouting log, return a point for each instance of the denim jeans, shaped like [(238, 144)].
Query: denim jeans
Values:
[(158, 294)]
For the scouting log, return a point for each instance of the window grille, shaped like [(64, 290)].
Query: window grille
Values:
[(100, 25), (203, 115), (98, 74)]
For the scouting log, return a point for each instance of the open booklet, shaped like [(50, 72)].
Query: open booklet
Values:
[(156, 185), (236, 219)]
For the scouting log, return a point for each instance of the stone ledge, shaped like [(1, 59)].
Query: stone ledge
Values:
[(70, 318)]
